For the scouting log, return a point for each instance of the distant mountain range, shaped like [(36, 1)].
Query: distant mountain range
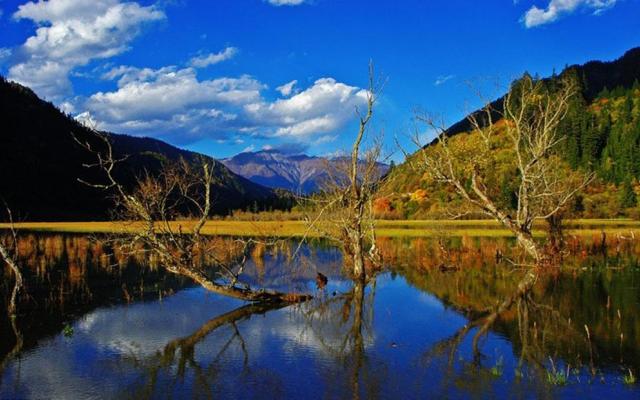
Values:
[(297, 173), (40, 164)]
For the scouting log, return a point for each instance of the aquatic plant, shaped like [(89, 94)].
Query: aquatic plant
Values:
[(629, 378), (67, 331), (498, 369), (558, 377)]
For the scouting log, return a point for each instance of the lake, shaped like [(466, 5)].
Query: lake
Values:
[(97, 324)]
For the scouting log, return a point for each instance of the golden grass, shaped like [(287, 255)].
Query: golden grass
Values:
[(386, 228)]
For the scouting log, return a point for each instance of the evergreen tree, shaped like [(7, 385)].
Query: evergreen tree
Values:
[(628, 197), (627, 108)]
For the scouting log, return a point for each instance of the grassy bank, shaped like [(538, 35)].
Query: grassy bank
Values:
[(386, 228)]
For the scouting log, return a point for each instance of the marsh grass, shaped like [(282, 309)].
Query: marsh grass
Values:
[(385, 228), (629, 378), (498, 368), (558, 377)]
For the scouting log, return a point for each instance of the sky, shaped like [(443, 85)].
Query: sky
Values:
[(226, 76)]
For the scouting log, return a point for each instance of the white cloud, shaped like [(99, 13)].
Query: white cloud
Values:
[(287, 88), (322, 108), (557, 8), (213, 58), (86, 119), (67, 107), (173, 103), (286, 2), (442, 79), (70, 34), (5, 53), (128, 74), (335, 154), (146, 93)]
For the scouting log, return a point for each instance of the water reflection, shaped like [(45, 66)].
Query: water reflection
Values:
[(398, 336)]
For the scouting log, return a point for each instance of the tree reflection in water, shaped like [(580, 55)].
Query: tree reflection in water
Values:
[(354, 354), (338, 322)]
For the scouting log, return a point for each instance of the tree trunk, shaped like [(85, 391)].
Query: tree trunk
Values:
[(525, 240), (11, 309), (523, 288), (358, 340), (260, 296), (232, 316), (358, 259)]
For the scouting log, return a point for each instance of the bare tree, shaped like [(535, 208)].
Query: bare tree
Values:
[(343, 211), (10, 254), (527, 126), (148, 214)]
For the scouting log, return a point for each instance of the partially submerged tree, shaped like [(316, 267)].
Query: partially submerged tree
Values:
[(527, 127), (148, 216), (9, 253), (344, 208)]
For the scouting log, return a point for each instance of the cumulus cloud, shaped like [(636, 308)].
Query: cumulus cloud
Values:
[(126, 74), (287, 88), (279, 3), (70, 34), (150, 93), (322, 108), (557, 8), (67, 107), (171, 102), (213, 58), (174, 104)]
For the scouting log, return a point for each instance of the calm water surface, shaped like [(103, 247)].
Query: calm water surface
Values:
[(108, 327)]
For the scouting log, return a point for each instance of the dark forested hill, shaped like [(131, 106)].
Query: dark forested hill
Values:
[(40, 164)]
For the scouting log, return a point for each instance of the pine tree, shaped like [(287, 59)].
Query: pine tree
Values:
[(392, 165), (627, 108), (628, 197)]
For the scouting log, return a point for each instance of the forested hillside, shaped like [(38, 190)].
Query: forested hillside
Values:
[(40, 165), (601, 133)]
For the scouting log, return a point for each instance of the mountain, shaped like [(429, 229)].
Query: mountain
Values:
[(297, 173), (601, 133), (40, 164), (594, 76)]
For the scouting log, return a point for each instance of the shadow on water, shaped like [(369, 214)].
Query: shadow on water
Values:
[(97, 323)]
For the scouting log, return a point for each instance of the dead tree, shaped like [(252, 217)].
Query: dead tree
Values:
[(343, 209), (148, 213), (10, 256), (528, 125)]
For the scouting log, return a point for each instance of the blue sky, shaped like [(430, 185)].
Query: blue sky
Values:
[(221, 77)]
